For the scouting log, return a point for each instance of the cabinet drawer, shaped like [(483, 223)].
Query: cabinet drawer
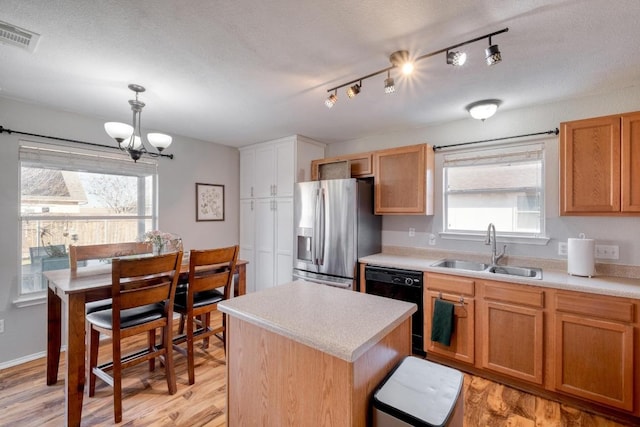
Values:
[(596, 306), (513, 294), (450, 284)]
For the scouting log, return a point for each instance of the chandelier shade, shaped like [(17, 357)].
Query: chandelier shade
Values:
[(129, 137)]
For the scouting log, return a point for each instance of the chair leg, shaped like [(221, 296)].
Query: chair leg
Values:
[(167, 339), (206, 324), (94, 345), (181, 327), (151, 343), (190, 355), (117, 378)]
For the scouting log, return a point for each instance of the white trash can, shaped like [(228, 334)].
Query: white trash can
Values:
[(419, 393)]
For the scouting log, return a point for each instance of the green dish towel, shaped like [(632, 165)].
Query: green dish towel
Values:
[(442, 323)]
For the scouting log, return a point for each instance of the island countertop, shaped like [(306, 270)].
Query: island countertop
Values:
[(339, 322)]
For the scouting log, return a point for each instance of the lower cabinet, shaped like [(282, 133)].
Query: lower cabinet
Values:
[(511, 330), (594, 357), (460, 292), (583, 348)]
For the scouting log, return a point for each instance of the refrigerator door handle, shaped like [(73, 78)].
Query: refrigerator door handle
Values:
[(322, 227), (316, 228)]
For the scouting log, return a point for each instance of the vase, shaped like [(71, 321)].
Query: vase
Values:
[(158, 248)]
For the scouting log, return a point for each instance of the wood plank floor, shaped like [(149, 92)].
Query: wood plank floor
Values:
[(26, 400)]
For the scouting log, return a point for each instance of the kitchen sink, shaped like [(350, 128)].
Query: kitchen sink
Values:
[(462, 265), (532, 273), (528, 272)]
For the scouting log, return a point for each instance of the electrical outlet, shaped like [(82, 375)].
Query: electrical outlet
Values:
[(432, 239), (607, 252), (1, 326), (562, 248), (412, 232)]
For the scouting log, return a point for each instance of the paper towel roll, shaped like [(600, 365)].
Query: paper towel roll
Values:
[(581, 257)]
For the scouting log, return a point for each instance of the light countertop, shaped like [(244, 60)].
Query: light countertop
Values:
[(604, 285), (337, 321)]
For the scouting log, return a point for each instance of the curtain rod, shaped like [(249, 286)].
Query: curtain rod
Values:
[(549, 132), (75, 141)]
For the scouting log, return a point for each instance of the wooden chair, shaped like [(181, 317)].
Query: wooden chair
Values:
[(142, 292), (208, 270)]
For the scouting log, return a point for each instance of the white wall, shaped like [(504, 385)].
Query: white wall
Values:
[(195, 161), (624, 232)]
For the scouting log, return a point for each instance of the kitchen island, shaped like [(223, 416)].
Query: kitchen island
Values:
[(308, 354)]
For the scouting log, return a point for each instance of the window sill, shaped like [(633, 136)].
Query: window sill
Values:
[(30, 300), (523, 240)]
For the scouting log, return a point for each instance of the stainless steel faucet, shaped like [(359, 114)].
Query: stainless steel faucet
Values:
[(491, 240)]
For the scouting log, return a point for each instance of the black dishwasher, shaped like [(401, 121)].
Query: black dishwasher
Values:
[(404, 285)]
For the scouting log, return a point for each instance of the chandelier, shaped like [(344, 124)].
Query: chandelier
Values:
[(129, 138)]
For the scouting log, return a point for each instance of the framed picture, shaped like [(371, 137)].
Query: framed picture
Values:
[(209, 202)]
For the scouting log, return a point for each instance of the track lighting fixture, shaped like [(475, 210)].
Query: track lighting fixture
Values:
[(457, 59), (354, 90), (402, 60), (484, 109), (492, 54), (389, 84), (331, 100)]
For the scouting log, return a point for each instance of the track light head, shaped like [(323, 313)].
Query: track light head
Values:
[(401, 60), (493, 54), (457, 59), (389, 84), (354, 90), (331, 100)]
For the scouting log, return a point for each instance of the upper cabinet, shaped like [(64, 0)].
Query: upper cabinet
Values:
[(359, 165), (270, 169), (600, 166), (403, 179)]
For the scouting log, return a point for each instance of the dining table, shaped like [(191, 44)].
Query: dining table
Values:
[(68, 292)]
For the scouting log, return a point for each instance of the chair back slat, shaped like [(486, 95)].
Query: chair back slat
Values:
[(105, 251)]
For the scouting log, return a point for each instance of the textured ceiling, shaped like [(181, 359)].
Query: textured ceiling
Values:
[(244, 71)]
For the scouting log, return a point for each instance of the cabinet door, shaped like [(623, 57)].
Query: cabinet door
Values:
[(247, 173), (404, 180), (512, 331), (631, 162), (462, 339), (264, 253), (590, 166), (284, 169), (247, 240), (264, 175), (594, 352), (283, 240)]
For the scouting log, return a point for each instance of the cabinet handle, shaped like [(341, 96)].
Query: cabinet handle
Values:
[(252, 194), (252, 206), (275, 189)]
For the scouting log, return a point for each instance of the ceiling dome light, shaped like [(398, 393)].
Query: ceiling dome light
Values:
[(331, 100), (484, 109), (389, 84), (401, 60), (457, 59), (354, 90)]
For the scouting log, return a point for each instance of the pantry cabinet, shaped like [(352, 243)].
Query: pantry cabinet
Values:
[(268, 172), (599, 166), (403, 179), (511, 330), (460, 292), (594, 351)]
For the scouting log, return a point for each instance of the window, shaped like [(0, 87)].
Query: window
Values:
[(72, 196), (503, 186)]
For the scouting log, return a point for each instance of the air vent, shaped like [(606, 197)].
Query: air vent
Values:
[(16, 36)]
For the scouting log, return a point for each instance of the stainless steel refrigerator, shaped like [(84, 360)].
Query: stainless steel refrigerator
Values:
[(334, 225)]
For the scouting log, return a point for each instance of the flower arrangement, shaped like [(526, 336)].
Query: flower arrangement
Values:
[(158, 239)]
